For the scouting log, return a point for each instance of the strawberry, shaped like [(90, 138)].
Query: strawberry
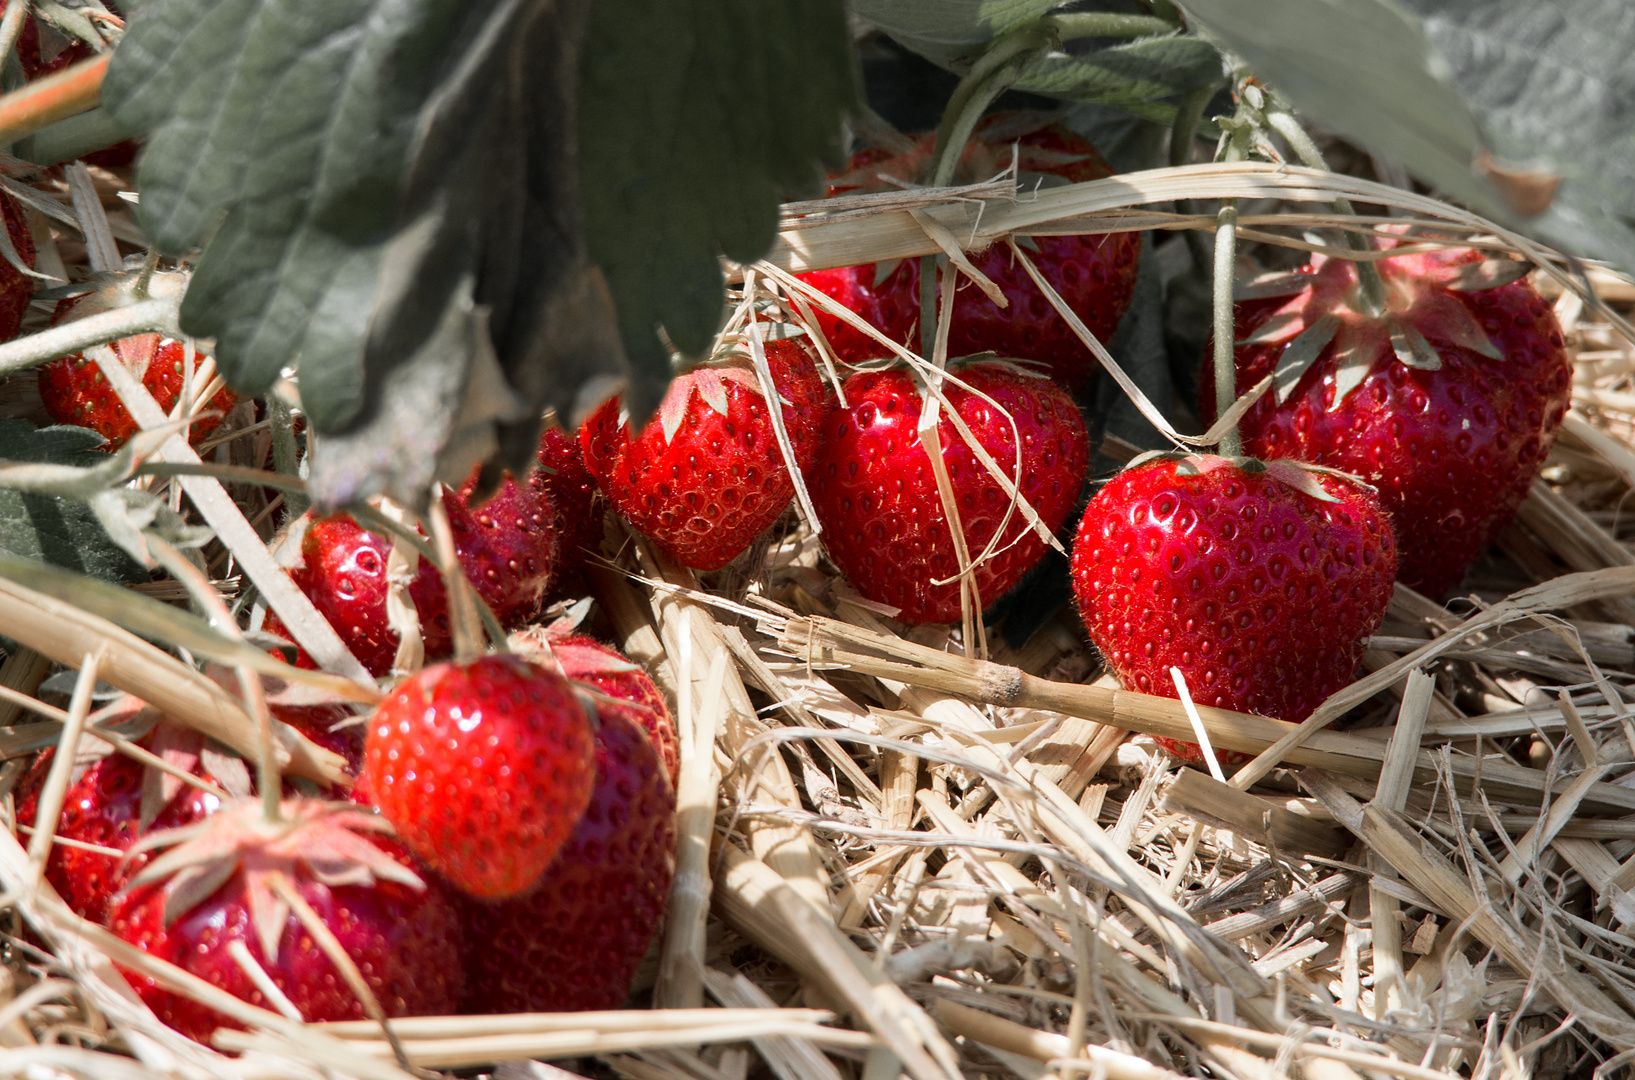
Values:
[(706, 476), (483, 768), (622, 686), (506, 546), (104, 807), (74, 391), (1261, 583), (1447, 401), (575, 941), (217, 886), (344, 574), (876, 495), (577, 504), (1095, 274), (118, 800), (32, 57)]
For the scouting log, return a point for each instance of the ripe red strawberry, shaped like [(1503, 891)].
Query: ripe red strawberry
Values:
[(192, 903), (603, 668), (876, 495), (577, 504), (1095, 274), (483, 768), (118, 800), (74, 391), (507, 546), (104, 807), (1447, 402), (575, 941), (344, 574), (706, 477), (1261, 593)]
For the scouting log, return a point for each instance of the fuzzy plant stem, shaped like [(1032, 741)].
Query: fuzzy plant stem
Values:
[(1181, 135), (1234, 148), (11, 26), (1226, 372), (993, 73), (1371, 285), (286, 454)]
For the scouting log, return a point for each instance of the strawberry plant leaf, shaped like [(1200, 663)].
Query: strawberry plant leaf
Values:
[(52, 529), (1362, 68), (695, 116), (1135, 77), (1549, 84), (1491, 101), (949, 31)]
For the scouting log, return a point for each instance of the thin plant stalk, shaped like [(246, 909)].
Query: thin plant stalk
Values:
[(1223, 326), (286, 454), (1370, 285), (991, 75)]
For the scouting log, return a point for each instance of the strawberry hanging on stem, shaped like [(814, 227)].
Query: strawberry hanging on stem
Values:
[(1256, 582), (1440, 377)]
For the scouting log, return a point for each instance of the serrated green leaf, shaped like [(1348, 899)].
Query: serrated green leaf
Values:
[(1438, 85), (695, 117), (295, 119), (1134, 76), (1363, 68), (1550, 85), (48, 528), (373, 176)]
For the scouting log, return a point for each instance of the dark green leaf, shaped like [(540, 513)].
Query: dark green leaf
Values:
[(1135, 76), (46, 528), (949, 31), (695, 117), (1362, 68), (1539, 87), (294, 119)]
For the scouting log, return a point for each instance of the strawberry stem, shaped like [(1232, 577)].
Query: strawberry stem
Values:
[(1181, 136), (1371, 286), (1224, 327), (56, 97), (286, 453), (991, 75)]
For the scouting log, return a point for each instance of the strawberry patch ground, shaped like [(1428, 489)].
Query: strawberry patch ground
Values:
[(913, 645)]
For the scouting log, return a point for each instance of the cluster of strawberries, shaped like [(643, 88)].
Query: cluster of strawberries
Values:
[(530, 795), (547, 835)]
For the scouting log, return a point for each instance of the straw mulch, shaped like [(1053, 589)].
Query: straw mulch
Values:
[(896, 855)]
